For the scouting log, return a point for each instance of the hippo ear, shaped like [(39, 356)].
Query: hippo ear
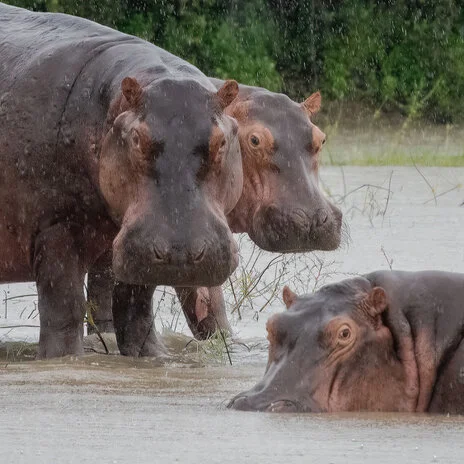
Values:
[(227, 93), (377, 301), (288, 296), (131, 90), (312, 104)]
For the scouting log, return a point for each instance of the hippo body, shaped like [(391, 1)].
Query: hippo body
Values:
[(281, 207), (105, 137), (386, 341)]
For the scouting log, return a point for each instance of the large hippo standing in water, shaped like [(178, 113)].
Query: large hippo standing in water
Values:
[(387, 341), (281, 207), (104, 136)]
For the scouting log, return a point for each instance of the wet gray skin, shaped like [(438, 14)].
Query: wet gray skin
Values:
[(282, 207), (175, 229), (388, 341), (108, 141)]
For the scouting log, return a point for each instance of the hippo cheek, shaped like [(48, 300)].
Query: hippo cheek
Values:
[(286, 229)]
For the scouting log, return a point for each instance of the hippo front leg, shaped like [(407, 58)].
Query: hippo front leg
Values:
[(204, 309), (134, 321), (59, 275), (100, 283)]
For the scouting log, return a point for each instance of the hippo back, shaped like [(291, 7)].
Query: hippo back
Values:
[(58, 75)]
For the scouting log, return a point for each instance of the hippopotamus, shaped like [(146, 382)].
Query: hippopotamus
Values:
[(281, 206), (108, 142), (384, 341)]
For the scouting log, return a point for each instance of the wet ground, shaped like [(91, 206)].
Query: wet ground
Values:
[(109, 409)]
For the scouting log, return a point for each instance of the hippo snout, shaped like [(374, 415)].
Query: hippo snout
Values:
[(285, 229), (141, 257), (240, 403)]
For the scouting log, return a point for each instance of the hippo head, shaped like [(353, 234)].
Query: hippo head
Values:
[(330, 352), (170, 171), (282, 207)]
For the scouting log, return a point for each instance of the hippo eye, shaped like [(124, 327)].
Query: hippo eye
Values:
[(254, 139), (344, 334), (223, 143)]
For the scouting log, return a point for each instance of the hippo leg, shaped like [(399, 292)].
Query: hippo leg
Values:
[(134, 321), (100, 283), (59, 275), (204, 309)]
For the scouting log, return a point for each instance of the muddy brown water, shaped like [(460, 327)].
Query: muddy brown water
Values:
[(112, 410), (109, 409)]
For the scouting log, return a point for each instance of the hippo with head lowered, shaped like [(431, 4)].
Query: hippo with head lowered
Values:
[(386, 341), (107, 141), (281, 208)]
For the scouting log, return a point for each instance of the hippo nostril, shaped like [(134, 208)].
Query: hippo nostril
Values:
[(198, 256), (302, 216), (321, 217), (160, 255)]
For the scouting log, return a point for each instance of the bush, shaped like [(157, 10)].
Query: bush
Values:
[(405, 55), (235, 44)]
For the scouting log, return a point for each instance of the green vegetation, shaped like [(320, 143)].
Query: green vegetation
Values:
[(401, 159), (398, 55)]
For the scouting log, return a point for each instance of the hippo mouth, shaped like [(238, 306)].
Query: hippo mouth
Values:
[(286, 406), (246, 403)]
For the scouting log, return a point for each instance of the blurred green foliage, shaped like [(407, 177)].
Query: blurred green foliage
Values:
[(405, 55)]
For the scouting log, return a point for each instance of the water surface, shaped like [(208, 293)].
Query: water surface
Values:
[(110, 409)]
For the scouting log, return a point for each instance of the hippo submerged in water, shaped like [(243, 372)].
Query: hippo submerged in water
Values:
[(387, 341), (104, 136), (281, 207)]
